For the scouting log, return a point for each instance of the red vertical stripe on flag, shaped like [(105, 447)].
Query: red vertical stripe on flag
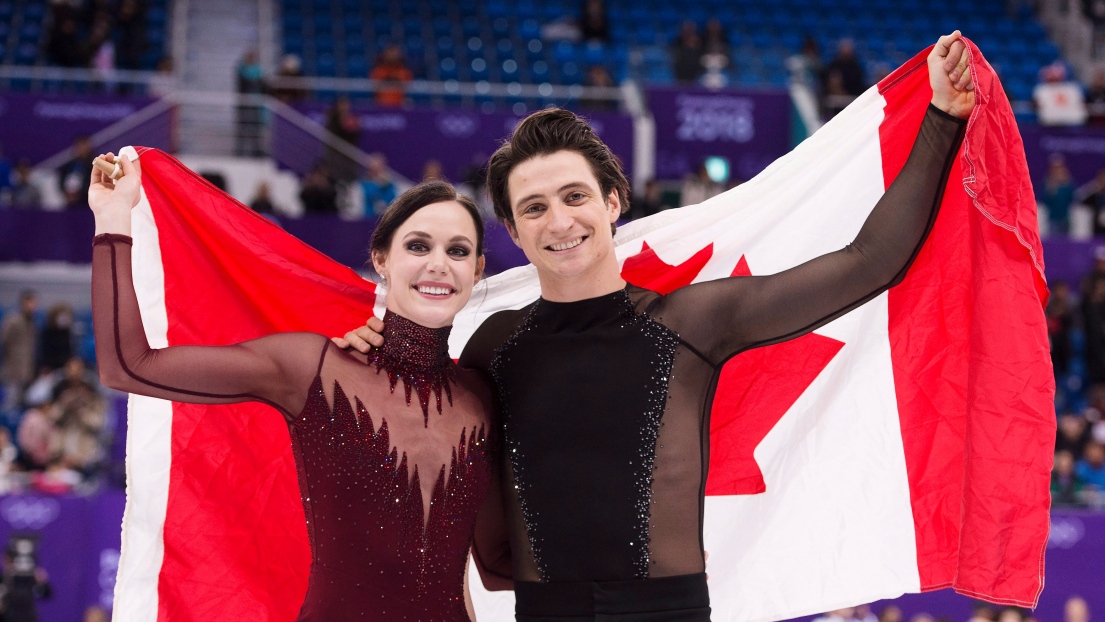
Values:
[(235, 538), (969, 347)]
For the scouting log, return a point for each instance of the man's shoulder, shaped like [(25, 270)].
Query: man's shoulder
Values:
[(491, 335)]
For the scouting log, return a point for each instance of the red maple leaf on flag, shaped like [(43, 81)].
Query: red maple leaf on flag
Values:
[(756, 388)]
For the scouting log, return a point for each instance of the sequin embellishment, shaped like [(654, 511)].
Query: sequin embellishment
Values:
[(420, 357)]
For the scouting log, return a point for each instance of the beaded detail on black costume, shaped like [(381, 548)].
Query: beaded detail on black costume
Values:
[(419, 356)]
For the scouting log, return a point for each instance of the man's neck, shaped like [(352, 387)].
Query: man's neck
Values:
[(602, 280)]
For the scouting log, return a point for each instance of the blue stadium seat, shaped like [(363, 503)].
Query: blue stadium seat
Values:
[(509, 70), (479, 69), (6, 11), (26, 54), (448, 69), (356, 67)]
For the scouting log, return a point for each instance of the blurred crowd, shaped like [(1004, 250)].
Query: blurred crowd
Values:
[(55, 419), (1076, 327), (97, 34), (1076, 610)]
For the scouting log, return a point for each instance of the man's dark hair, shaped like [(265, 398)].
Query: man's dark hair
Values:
[(543, 133), (406, 204)]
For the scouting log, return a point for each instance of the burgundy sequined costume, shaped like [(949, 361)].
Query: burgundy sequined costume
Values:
[(390, 488)]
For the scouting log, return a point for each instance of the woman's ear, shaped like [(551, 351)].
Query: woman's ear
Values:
[(379, 263), (481, 263)]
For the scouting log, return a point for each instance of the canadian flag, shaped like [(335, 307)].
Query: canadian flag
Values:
[(904, 447)]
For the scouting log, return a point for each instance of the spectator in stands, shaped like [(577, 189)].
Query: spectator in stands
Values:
[(392, 73), (1076, 610), (318, 194), (715, 44), (346, 127), (18, 345), (261, 202), (64, 47), (8, 453), (102, 48), (834, 96), (5, 178), (1093, 322), (75, 175), (163, 83), (598, 76), (891, 613), (698, 187), (1091, 468), (806, 67), (593, 25), (290, 67), (57, 336), (1095, 98), (432, 171), (1092, 194), (131, 20), (24, 582), (23, 191), (686, 54), (648, 202), (1011, 614), (1059, 100), (1066, 486), (95, 614), (38, 438), (251, 81), (839, 615), (1072, 434), (1060, 321), (847, 66), (1058, 195), (82, 417), (379, 190), (983, 612)]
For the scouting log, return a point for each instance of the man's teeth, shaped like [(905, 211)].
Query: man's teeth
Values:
[(565, 246), (434, 291)]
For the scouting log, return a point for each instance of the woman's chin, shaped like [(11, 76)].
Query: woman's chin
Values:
[(431, 314)]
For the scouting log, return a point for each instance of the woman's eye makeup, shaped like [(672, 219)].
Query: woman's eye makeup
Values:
[(459, 251), (417, 247)]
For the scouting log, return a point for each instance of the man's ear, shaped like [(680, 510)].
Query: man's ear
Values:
[(614, 205), (513, 232)]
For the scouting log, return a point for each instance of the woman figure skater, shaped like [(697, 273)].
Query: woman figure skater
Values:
[(391, 476)]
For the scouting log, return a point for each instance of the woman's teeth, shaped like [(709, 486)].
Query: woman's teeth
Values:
[(434, 291), (566, 245)]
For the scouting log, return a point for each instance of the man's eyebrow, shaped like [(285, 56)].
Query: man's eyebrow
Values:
[(538, 195)]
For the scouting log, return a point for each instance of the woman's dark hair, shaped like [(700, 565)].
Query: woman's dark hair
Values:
[(543, 133), (406, 204)]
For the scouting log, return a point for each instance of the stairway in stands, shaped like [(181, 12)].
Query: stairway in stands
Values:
[(218, 34)]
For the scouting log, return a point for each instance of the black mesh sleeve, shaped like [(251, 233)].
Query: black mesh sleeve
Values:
[(276, 369), (724, 317)]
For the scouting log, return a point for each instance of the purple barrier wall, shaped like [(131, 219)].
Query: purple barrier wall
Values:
[(33, 235), (458, 138), (1082, 147), (751, 128), (79, 548), (1075, 566), (37, 126)]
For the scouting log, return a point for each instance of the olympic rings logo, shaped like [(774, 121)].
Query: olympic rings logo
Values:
[(29, 513), (1066, 531), (457, 125)]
